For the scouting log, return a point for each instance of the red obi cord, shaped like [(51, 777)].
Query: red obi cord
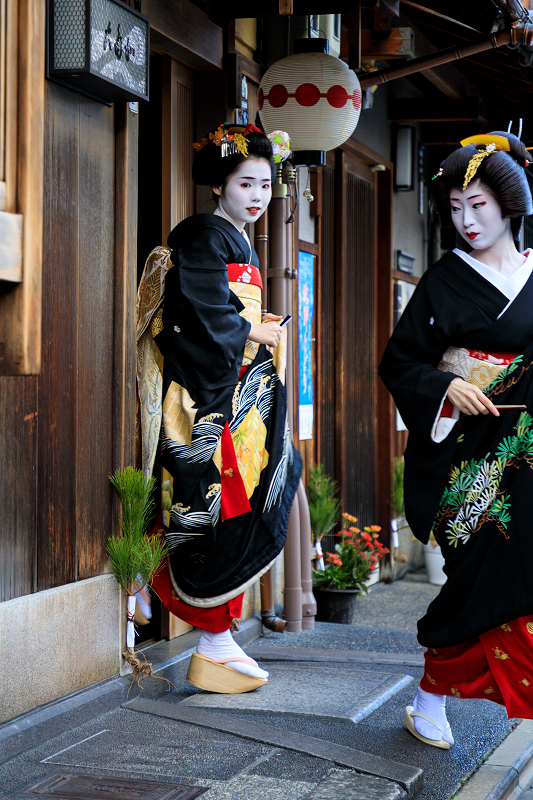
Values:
[(215, 619), (498, 666), (245, 273)]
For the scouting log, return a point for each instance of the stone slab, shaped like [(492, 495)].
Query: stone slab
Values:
[(338, 656), (347, 695), (139, 754), (409, 778), (351, 786), (485, 781), (517, 750)]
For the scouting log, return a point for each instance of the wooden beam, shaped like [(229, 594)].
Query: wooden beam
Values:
[(448, 133), (181, 30), (384, 46), (441, 21), (415, 110), (447, 79), (437, 59), (285, 7)]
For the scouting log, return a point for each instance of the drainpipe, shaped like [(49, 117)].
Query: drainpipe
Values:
[(268, 616), (518, 34), (280, 286), (308, 598)]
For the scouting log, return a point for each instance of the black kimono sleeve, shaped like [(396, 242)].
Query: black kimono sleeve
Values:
[(409, 365), (203, 335)]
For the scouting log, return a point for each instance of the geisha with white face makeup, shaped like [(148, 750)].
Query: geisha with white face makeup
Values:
[(459, 366), (229, 469)]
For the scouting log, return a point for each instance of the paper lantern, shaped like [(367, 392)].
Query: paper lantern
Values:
[(315, 97)]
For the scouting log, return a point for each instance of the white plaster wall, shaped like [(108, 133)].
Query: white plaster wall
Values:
[(56, 642)]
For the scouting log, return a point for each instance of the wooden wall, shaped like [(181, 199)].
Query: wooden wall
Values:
[(56, 446), (353, 303)]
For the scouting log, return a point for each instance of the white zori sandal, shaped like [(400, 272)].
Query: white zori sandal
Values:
[(410, 725), (213, 675)]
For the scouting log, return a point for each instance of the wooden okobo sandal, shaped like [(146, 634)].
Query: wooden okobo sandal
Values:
[(214, 676)]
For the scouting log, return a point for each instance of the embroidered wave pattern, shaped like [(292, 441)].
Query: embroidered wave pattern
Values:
[(473, 495), (205, 437), (257, 390), (279, 478)]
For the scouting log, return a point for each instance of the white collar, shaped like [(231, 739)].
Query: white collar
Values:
[(509, 286)]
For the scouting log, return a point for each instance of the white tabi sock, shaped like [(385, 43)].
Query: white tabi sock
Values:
[(223, 645), (434, 706)]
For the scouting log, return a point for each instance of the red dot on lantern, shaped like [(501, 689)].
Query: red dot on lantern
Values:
[(337, 96), (260, 99), (307, 94), (278, 96), (356, 99)]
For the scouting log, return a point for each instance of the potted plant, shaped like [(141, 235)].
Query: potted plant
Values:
[(323, 507), (434, 562), (356, 556)]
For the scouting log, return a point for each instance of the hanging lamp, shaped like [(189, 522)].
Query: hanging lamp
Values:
[(313, 96)]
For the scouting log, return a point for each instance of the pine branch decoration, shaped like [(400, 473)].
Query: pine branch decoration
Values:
[(135, 558)]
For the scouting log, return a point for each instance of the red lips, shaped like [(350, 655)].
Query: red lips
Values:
[(253, 210), (472, 236)]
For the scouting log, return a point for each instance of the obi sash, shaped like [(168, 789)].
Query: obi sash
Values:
[(473, 366)]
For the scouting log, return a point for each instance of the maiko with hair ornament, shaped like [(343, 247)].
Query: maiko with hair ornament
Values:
[(459, 366), (211, 380)]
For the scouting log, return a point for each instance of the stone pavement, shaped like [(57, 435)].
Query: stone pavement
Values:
[(327, 726)]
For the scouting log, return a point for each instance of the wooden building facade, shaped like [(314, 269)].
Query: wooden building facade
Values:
[(86, 191)]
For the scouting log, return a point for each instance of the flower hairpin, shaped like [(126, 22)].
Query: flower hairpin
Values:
[(280, 142), (439, 173)]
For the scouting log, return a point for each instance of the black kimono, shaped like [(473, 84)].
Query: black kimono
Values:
[(473, 489), (230, 471)]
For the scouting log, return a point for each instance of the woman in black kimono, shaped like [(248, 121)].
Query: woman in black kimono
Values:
[(211, 379), (460, 368)]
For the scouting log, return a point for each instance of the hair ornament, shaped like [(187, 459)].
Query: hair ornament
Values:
[(280, 141), (439, 173), (473, 165), (230, 138), (486, 144)]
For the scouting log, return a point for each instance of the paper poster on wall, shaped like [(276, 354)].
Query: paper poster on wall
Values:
[(306, 295)]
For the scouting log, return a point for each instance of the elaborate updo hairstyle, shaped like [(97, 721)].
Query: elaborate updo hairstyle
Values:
[(501, 172), (211, 168)]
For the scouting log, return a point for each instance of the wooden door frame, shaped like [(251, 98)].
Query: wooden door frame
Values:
[(382, 311)]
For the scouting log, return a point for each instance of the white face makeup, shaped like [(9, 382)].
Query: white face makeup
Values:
[(247, 192), (477, 216)]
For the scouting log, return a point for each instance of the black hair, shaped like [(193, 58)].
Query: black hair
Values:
[(502, 173), (211, 168)]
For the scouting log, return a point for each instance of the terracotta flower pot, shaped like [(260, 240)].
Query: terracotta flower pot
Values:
[(335, 605)]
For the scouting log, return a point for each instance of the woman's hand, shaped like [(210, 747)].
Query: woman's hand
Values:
[(469, 399), (268, 317), (268, 333)]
